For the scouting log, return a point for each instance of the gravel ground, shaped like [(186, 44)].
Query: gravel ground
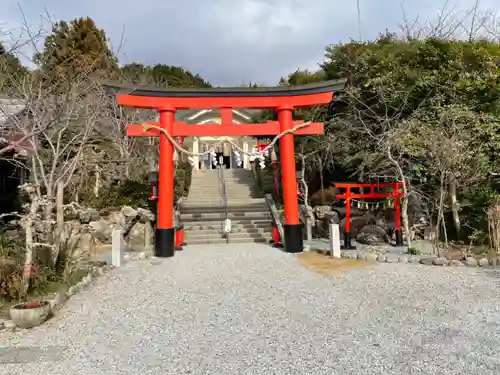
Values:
[(243, 309)]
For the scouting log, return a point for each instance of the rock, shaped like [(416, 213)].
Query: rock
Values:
[(352, 255), (372, 235), (87, 216), (341, 211), (146, 215), (456, 263), (483, 262), (59, 299), (391, 258), (403, 259), (440, 261), (9, 324), (142, 255), (471, 262), (323, 215), (102, 230), (87, 279), (357, 223), (371, 257), (128, 213), (320, 211), (414, 260), (381, 258), (429, 261), (361, 255)]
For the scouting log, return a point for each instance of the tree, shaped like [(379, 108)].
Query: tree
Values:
[(392, 80), (161, 75), (76, 48), (11, 70)]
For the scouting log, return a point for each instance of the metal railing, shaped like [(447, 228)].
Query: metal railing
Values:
[(226, 227)]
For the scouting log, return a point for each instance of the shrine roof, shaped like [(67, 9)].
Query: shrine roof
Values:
[(297, 90)]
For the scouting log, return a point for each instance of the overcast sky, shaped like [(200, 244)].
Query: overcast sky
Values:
[(229, 42)]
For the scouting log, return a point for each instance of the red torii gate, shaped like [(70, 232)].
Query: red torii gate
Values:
[(281, 99), (396, 194)]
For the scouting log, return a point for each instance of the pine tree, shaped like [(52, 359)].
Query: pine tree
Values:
[(11, 71), (76, 48)]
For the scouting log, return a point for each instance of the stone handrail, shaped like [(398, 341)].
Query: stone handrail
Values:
[(274, 214)]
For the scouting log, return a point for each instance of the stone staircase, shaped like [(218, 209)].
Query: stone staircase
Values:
[(202, 213)]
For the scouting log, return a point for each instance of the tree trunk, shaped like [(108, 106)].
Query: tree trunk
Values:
[(440, 215), (58, 235), (303, 181), (97, 182), (454, 205), (29, 234), (404, 205), (404, 216), (322, 180)]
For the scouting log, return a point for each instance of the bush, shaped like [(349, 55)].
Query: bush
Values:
[(324, 196), (182, 180), (126, 193), (136, 192)]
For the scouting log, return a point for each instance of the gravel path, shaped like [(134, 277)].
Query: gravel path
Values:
[(243, 309)]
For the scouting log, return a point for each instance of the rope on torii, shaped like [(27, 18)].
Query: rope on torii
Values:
[(255, 155)]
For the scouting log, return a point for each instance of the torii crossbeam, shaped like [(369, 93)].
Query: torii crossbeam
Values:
[(282, 99)]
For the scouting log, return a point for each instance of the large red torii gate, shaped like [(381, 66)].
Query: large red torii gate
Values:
[(281, 99)]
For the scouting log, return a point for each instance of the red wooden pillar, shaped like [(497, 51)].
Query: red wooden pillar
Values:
[(397, 209), (293, 229), (165, 232), (347, 231)]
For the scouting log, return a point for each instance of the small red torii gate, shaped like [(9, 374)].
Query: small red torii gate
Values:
[(282, 99), (348, 194)]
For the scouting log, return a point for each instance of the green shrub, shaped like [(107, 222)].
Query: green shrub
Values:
[(324, 196), (413, 251)]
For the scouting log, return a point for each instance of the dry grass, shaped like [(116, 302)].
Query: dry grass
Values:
[(325, 265)]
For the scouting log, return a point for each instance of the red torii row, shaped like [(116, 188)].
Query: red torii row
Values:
[(282, 99)]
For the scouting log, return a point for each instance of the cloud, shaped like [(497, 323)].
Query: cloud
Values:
[(229, 42)]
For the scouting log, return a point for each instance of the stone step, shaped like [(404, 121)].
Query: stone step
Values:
[(232, 239), (190, 209), (208, 203), (218, 198), (230, 215), (214, 241), (217, 225), (190, 200), (218, 232)]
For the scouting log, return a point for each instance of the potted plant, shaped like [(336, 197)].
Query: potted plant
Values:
[(30, 314)]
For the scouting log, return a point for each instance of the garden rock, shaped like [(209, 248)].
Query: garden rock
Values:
[(129, 213), (414, 260), (102, 230), (371, 257), (440, 261), (403, 259), (471, 262), (357, 223), (9, 324), (372, 235), (391, 258), (87, 216), (429, 261), (483, 262)]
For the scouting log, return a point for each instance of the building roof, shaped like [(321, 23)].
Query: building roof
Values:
[(9, 108), (191, 114)]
